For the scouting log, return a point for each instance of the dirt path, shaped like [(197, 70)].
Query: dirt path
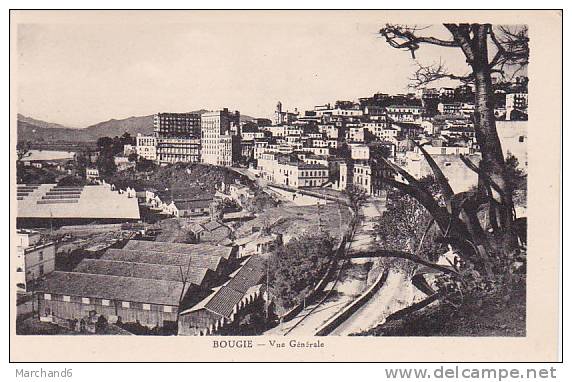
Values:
[(397, 293)]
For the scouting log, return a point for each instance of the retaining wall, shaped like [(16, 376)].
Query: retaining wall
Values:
[(342, 316)]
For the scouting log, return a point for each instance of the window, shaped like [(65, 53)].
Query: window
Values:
[(125, 304), (105, 302), (67, 298), (85, 300), (41, 270), (47, 296), (521, 138), (146, 306), (167, 309), (41, 255)]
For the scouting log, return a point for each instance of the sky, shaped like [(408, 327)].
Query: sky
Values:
[(85, 68)]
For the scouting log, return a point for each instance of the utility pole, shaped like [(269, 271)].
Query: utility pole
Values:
[(267, 303)]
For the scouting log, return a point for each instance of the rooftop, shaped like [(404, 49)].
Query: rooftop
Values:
[(165, 258), (120, 288), (224, 300), (89, 202), (192, 204), (196, 249), (194, 275), (249, 275)]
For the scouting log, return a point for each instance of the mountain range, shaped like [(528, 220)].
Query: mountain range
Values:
[(35, 130)]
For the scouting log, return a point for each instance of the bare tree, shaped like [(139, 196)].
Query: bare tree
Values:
[(458, 220)]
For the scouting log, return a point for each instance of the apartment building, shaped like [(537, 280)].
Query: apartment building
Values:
[(177, 125), (405, 113), (219, 145), (300, 174), (34, 258), (146, 147), (173, 150)]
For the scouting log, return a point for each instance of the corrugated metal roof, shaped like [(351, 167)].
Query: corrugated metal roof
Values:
[(249, 275), (193, 275), (224, 301), (119, 288), (166, 258), (199, 249)]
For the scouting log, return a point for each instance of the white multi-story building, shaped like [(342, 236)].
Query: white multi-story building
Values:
[(284, 117), (355, 134), (219, 144), (34, 258), (174, 150), (405, 113), (382, 130), (300, 175), (331, 131), (450, 108), (146, 147), (91, 173)]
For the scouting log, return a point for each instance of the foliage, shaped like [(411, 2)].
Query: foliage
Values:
[(196, 178), (35, 175), (407, 226), (297, 267), (260, 202), (517, 178), (343, 151), (144, 165), (106, 164), (108, 149), (22, 149), (356, 196), (71, 181), (82, 162), (380, 152)]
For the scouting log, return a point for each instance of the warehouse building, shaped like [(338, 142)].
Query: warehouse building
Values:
[(74, 295), (144, 286), (227, 304)]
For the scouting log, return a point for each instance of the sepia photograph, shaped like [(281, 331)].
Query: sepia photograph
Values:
[(279, 179)]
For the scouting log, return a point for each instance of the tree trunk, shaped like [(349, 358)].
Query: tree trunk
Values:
[(493, 162)]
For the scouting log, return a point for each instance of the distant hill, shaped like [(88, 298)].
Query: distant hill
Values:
[(117, 127), (34, 130), (40, 131)]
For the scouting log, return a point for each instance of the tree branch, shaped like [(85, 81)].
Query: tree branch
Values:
[(426, 74), (481, 173), (440, 178), (461, 36), (424, 197), (403, 37), (512, 48), (407, 256)]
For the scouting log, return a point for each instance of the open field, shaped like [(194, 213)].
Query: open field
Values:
[(292, 221)]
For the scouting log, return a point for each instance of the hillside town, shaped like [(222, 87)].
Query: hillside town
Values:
[(177, 232)]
